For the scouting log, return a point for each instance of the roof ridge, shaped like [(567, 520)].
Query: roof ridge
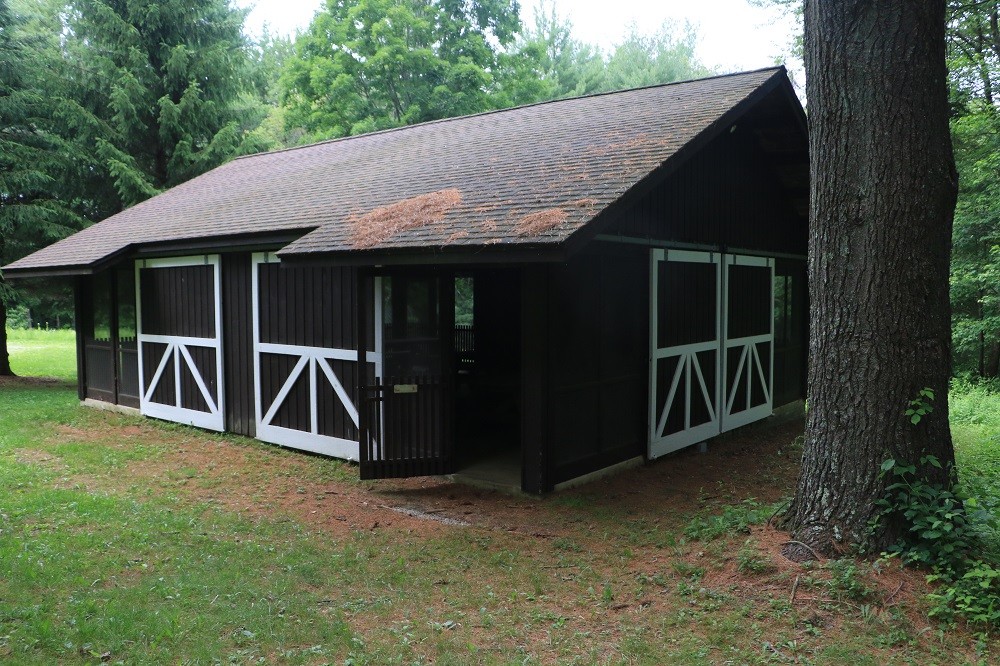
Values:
[(774, 68)]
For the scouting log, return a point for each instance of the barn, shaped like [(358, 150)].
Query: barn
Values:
[(530, 295)]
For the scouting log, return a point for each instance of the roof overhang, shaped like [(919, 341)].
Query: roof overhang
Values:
[(256, 242), (778, 84)]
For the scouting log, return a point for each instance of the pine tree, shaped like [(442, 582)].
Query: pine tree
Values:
[(43, 160), (172, 80)]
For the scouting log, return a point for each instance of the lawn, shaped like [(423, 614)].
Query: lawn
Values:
[(126, 540), (36, 353)]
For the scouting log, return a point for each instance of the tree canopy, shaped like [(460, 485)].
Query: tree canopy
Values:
[(365, 65), (170, 80), (104, 103)]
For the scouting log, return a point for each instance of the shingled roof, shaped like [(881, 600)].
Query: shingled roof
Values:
[(524, 177)]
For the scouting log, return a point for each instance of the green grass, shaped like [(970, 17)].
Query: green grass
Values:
[(97, 566), (975, 428), (37, 353)]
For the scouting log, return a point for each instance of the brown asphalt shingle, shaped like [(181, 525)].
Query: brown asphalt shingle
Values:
[(532, 174)]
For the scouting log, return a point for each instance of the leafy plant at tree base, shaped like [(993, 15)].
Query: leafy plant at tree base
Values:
[(944, 528)]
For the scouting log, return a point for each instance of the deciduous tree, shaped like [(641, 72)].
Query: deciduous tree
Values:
[(883, 189), (365, 65)]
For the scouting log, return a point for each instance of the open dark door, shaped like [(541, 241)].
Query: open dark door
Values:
[(407, 412)]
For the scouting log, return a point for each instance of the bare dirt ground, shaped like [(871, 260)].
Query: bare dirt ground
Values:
[(263, 481)]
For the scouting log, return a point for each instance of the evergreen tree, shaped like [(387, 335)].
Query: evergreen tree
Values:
[(172, 80), (44, 164)]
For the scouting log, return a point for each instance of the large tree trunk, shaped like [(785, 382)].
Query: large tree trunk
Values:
[(5, 370), (882, 201)]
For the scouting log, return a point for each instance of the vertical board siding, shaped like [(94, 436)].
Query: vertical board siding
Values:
[(108, 361), (179, 300), (97, 336), (598, 312), (179, 308), (101, 370), (750, 311), (165, 391), (723, 197), (791, 345), (307, 306), (128, 354), (597, 325), (726, 196), (237, 348)]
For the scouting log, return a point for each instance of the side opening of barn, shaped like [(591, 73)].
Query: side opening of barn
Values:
[(526, 296)]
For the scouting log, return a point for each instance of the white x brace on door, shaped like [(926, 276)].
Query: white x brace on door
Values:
[(179, 334), (711, 345), (748, 331), (315, 368)]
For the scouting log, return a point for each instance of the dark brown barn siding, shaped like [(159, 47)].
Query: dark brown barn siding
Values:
[(724, 196), (307, 306), (97, 343), (728, 197), (597, 324), (791, 331), (178, 300), (598, 313), (128, 355), (81, 311), (237, 343), (109, 365), (535, 350)]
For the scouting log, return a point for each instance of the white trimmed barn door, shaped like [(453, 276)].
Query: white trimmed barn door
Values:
[(749, 340), (685, 339), (179, 322), (306, 367)]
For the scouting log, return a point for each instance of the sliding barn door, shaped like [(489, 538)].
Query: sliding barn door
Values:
[(179, 340), (711, 345), (306, 371), (749, 340), (685, 339)]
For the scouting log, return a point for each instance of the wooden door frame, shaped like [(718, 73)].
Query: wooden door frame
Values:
[(375, 392), (749, 359)]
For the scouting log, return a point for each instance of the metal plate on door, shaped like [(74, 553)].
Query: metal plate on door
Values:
[(404, 388)]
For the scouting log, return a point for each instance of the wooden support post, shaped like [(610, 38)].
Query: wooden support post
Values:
[(534, 379)]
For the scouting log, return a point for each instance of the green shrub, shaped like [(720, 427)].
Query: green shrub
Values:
[(944, 527)]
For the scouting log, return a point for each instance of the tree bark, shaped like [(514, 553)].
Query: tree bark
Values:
[(5, 370), (883, 188)]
